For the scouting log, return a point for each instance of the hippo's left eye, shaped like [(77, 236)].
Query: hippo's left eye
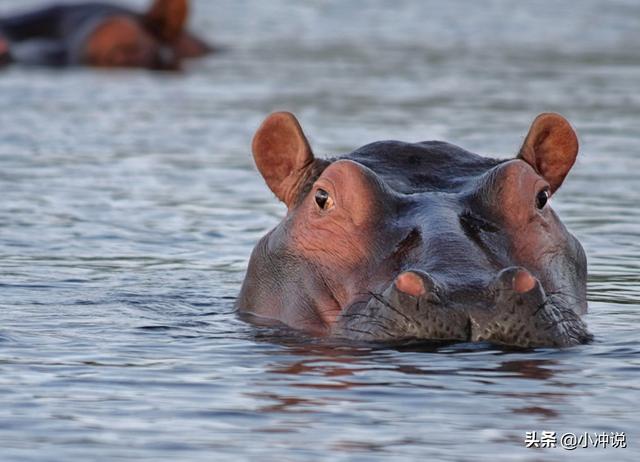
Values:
[(323, 199), (542, 198)]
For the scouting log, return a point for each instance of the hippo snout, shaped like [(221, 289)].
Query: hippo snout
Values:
[(414, 306), (522, 314), (512, 310)]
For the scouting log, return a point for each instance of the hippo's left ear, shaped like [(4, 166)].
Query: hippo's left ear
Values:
[(282, 154), (550, 148), (166, 19)]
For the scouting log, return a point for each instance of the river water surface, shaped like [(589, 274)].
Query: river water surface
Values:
[(129, 205)]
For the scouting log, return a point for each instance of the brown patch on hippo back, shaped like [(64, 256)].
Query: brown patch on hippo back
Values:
[(4, 47), (166, 19), (119, 41), (5, 52)]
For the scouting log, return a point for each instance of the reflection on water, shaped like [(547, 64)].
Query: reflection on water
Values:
[(130, 206)]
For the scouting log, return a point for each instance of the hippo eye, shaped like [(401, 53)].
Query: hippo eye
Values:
[(323, 199), (542, 198)]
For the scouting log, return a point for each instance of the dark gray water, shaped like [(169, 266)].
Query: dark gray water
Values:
[(129, 206)]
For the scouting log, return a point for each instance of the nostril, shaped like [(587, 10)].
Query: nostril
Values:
[(523, 281), (410, 283)]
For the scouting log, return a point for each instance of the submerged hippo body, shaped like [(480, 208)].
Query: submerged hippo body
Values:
[(426, 241), (101, 35)]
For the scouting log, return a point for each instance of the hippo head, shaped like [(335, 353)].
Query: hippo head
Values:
[(401, 242), (156, 40)]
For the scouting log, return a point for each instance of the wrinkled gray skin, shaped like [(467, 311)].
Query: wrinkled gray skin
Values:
[(452, 246)]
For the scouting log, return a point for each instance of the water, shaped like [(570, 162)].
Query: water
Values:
[(130, 206)]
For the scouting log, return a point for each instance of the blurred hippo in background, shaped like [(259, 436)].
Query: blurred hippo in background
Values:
[(400, 242), (101, 35)]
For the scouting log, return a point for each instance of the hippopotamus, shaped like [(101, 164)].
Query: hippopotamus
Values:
[(101, 35), (419, 242)]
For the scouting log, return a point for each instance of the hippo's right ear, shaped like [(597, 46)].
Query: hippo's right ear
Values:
[(282, 154), (166, 19)]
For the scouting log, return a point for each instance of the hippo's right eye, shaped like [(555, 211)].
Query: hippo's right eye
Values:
[(323, 199)]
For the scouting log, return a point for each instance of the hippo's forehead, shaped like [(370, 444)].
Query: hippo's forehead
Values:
[(411, 168)]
